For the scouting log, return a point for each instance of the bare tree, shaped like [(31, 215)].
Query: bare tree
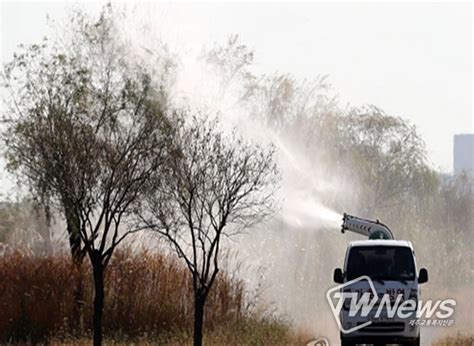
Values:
[(49, 92), (127, 157), (86, 128), (44, 87), (107, 167), (215, 186)]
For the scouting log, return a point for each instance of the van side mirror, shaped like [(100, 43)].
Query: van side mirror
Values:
[(338, 277), (423, 277)]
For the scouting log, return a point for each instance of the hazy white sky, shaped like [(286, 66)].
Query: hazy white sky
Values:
[(412, 60)]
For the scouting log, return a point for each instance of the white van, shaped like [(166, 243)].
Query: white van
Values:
[(391, 267)]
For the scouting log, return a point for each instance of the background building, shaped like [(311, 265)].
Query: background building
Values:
[(464, 153)]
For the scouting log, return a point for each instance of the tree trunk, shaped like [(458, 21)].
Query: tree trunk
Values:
[(73, 225), (199, 301), (77, 254), (74, 238), (77, 321), (98, 270)]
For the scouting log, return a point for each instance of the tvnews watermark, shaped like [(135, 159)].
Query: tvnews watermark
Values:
[(356, 304)]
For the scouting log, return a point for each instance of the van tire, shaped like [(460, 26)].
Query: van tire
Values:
[(345, 342), (416, 342)]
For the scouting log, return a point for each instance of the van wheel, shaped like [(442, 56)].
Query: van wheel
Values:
[(345, 342), (416, 342)]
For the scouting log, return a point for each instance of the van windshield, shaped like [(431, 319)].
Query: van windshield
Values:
[(381, 262)]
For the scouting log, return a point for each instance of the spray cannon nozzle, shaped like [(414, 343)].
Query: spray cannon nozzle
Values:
[(343, 222), (368, 228)]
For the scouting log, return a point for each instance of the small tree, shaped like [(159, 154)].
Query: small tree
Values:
[(87, 130), (214, 187), (45, 88), (50, 91), (107, 170), (127, 157)]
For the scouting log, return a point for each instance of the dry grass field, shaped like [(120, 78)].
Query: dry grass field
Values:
[(148, 300)]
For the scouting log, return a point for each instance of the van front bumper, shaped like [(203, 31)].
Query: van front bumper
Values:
[(395, 330)]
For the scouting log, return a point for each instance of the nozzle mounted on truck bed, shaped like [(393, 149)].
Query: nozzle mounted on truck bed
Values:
[(368, 228)]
